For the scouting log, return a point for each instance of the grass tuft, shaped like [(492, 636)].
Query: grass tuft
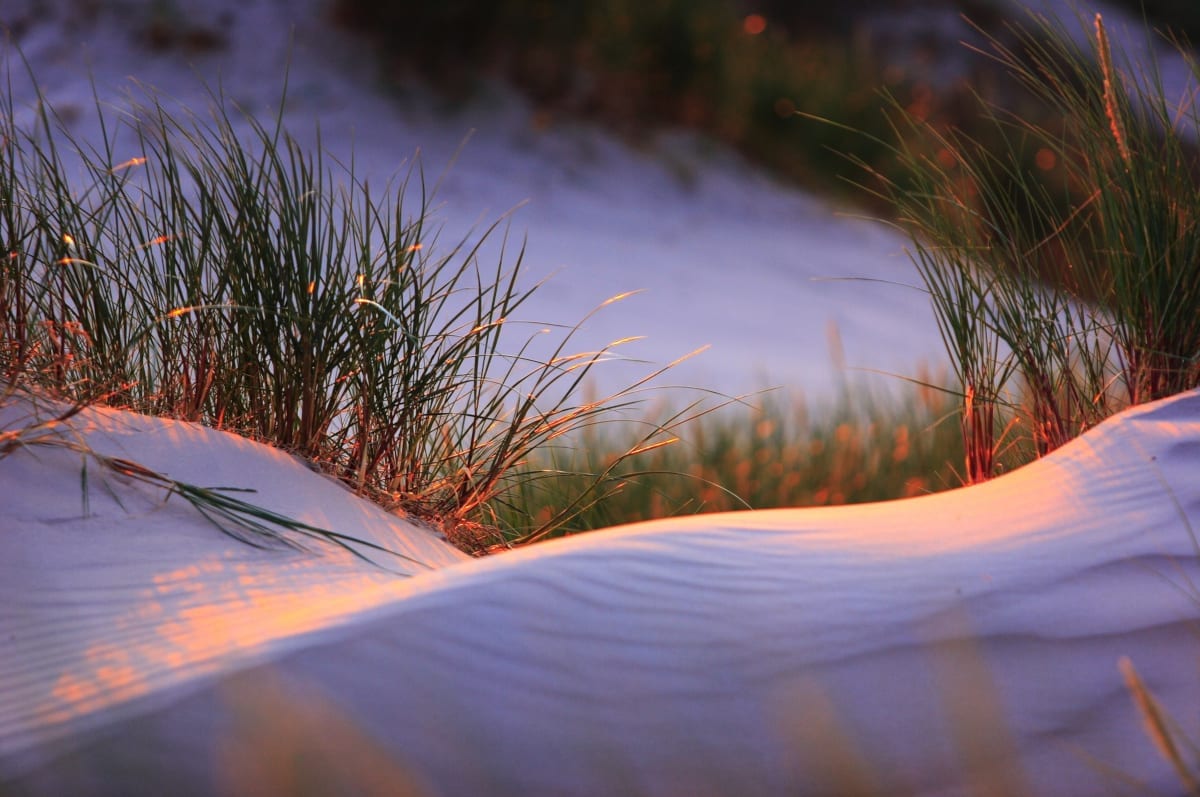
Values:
[(1161, 730), (210, 268), (1062, 296)]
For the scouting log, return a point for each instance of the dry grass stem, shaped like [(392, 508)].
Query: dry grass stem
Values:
[(1158, 726), (1111, 107)]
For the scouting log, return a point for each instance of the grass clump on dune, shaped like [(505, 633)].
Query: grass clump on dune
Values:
[(1041, 360), (212, 269)]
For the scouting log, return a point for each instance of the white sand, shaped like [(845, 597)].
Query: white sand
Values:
[(713, 652)]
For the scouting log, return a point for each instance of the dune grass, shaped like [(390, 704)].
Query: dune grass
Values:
[(41, 424), (210, 269), (1059, 303)]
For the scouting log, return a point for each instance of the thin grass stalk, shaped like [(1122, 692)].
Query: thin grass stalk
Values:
[(1142, 244), (1159, 727)]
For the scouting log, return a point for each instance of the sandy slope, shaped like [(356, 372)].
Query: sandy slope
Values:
[(690, 656)]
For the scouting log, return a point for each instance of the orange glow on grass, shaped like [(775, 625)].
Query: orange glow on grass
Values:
[(620, 297), (179, 311), (487, 326), (68, 239), (1045, 159), (754, 24), (127, 164), (903, 445), (652, 446)]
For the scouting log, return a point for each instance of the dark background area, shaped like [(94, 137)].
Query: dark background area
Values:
[(740, 70)]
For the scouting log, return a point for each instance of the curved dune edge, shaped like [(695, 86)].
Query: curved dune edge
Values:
[(968, 635)]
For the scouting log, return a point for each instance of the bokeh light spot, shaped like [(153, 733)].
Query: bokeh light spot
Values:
[(1045, 159)]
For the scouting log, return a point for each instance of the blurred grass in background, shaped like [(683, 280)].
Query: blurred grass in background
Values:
[(737, 71), (772, 450)]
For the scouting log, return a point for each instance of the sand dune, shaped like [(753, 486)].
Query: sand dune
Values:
[(743, 653)]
